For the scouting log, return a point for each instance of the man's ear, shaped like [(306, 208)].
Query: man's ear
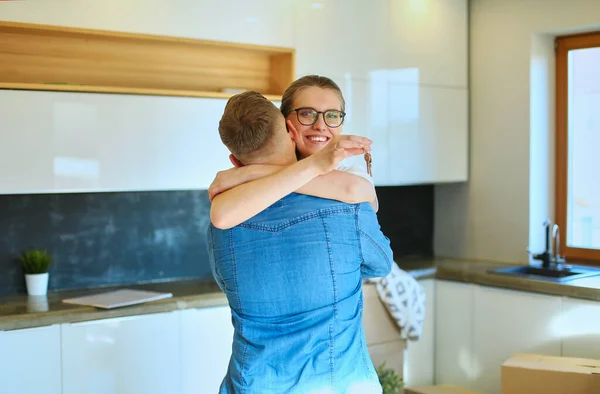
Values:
[(292, 130), (234, 160)]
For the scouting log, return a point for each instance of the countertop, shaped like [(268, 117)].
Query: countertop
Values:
[(21, 311), (477, 272)]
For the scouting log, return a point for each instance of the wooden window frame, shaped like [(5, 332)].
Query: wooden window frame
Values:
[(563, 46)]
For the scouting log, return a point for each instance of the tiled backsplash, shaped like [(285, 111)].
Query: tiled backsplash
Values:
[(101, 239)]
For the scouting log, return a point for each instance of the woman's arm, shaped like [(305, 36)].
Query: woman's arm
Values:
[(239, 204), (335, 185), (243, 202)]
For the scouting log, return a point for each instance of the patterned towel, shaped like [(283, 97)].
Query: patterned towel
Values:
[(404, 298)]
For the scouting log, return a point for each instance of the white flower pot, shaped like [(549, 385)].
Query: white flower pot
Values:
[(37, 284)]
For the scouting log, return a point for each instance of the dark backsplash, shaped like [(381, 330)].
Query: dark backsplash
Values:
[(103, 239), (406, 217)]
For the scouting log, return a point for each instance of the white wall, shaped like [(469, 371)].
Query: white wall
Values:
[(489, 217)]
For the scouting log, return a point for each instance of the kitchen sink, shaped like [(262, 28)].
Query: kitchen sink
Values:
[(548, 274)]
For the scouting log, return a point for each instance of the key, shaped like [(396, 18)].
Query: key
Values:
[(368, 160)]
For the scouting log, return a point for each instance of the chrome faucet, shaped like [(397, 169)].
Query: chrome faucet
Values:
[(558, 260), (551, 257)]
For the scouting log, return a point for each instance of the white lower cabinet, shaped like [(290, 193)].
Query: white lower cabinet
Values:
[(479, 327), (508, 322), (578, 324), (420, 355), (207, 335), (129, 355), (30, 361), (454, 353)]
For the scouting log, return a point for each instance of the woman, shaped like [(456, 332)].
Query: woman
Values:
[(314, 110)]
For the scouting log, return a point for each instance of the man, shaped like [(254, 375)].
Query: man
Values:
[(293, 272)]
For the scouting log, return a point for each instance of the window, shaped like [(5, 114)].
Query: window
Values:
[(578, 146)]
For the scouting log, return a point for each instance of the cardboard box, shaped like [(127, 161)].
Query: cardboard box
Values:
[(440, 389), (537, 374)]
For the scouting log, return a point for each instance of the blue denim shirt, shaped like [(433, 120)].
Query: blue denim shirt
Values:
[(293, 278)]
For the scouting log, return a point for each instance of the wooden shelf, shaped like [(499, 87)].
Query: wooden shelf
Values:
[(40, 57)]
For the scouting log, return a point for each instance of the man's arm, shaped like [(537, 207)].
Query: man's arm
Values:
[(377, 255), (335, 185)]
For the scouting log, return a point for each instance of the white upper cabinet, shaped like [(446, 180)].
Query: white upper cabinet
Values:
[(430, 37), (367, 109), (428, 134), (30, 361), (82, 142), (419, 133), (262, 22), (402, 66), (341, 38)]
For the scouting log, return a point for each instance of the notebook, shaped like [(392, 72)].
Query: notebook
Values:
[(118, 298)]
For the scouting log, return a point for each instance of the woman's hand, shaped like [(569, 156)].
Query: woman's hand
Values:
[(224, 181), (339, 148)]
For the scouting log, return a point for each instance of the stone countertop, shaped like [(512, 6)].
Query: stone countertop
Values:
[(477, 272), (21, 311)]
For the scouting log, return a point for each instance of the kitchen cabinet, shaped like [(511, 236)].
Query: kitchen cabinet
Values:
[(129, 355), (428, 134), (109, 143), (429, 38), (419, 361), (367, 115), (206, 336), (340, 38), (99, 142), (408, 94), (263, 22), (30, 361), (578, 324), (419, 133), (480, 327), (454, 353), (508, 322)]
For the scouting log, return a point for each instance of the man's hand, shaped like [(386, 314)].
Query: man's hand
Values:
[(339, 148)]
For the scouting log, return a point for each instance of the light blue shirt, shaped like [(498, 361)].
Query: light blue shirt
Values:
[(293, 278)]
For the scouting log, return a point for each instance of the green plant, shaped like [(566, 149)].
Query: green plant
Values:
[(389, 380), (35, 261)]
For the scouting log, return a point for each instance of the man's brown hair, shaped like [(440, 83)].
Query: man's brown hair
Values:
[(248, 124)]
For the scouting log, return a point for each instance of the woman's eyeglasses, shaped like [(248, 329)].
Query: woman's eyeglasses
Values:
[(308, 116)]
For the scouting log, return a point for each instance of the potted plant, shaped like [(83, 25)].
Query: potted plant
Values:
[(390, 382), (36, 264)]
